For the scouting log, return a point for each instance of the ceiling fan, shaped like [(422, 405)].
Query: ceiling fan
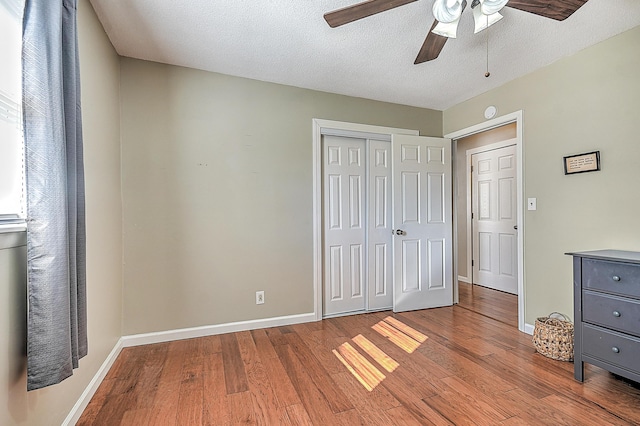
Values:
[(447, 13)]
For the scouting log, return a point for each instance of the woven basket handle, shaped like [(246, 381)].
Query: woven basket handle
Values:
[(566, 318)]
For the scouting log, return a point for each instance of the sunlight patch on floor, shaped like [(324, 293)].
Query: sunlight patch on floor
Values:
[(376, 353), (397, 332), (409, 331), (404, 341), (366, 373)]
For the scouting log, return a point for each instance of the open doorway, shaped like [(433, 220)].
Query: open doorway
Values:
[(484, 143)]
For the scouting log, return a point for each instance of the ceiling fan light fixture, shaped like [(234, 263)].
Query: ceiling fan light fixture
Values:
[(482, 21), (447, 14), (447, 11), (447, 29), (489, 7)]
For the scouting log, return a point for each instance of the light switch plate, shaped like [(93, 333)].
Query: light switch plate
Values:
[(532, 204)]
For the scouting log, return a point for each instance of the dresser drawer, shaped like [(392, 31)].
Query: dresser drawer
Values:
[(611, 311), (616, 278), (612, 347)]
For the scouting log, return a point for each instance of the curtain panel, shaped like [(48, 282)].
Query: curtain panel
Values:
[(56, 249)]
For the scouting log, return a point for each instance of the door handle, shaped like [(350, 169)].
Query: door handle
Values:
[(399, 232), (515, 227)]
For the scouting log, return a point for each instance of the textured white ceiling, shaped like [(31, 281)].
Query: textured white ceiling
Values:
[(288, 42)]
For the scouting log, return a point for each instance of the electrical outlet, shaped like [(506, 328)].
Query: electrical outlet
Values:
[(259, 297)]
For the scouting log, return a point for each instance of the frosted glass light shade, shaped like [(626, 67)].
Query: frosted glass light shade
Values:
[(483, 21), (447, 29), (489, 7), (447, 11)]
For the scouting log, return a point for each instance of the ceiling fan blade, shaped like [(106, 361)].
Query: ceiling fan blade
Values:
[(554, 9), (361, 10), (431, 47)]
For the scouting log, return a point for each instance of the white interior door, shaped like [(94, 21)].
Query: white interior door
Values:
[(494, 212), (422, 221), (344, 229), (379, 238)]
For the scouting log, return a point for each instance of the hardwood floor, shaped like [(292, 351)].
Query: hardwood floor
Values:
[(434, 367), (494, 304)]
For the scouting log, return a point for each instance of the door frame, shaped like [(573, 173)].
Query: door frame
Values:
[(335, 128), (518, 118)]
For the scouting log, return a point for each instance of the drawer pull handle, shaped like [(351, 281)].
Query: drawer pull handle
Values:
[(616, 314), (615, 349), (616, 278)]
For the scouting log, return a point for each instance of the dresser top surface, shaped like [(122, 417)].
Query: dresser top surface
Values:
[(613, 255)]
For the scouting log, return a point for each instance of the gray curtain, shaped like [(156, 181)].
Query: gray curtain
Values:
[(56, 322)]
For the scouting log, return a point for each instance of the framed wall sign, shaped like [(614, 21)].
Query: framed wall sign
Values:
[(581, 163)]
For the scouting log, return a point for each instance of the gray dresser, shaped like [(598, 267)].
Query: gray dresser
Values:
[(606, 288)]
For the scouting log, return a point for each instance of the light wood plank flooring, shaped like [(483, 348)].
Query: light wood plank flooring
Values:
[(434, 367)]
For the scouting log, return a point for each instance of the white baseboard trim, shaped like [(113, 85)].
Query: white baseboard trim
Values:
[(528, 328), (210, 330), (464, 279), (92, 387)]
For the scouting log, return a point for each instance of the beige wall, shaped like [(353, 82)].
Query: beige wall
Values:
[(217, 192), (586, 102), (100, 88), (502, 133)]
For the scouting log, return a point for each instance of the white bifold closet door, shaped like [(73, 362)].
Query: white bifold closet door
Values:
[(387, 224), (357, 237)]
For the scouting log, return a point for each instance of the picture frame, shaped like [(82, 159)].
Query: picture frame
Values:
[(582, 163)]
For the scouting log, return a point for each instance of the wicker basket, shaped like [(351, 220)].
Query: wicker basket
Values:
[(553, 337)]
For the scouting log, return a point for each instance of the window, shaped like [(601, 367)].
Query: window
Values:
[(11, 146)]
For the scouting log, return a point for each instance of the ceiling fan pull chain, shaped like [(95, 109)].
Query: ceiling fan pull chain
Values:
[(487, 74)]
